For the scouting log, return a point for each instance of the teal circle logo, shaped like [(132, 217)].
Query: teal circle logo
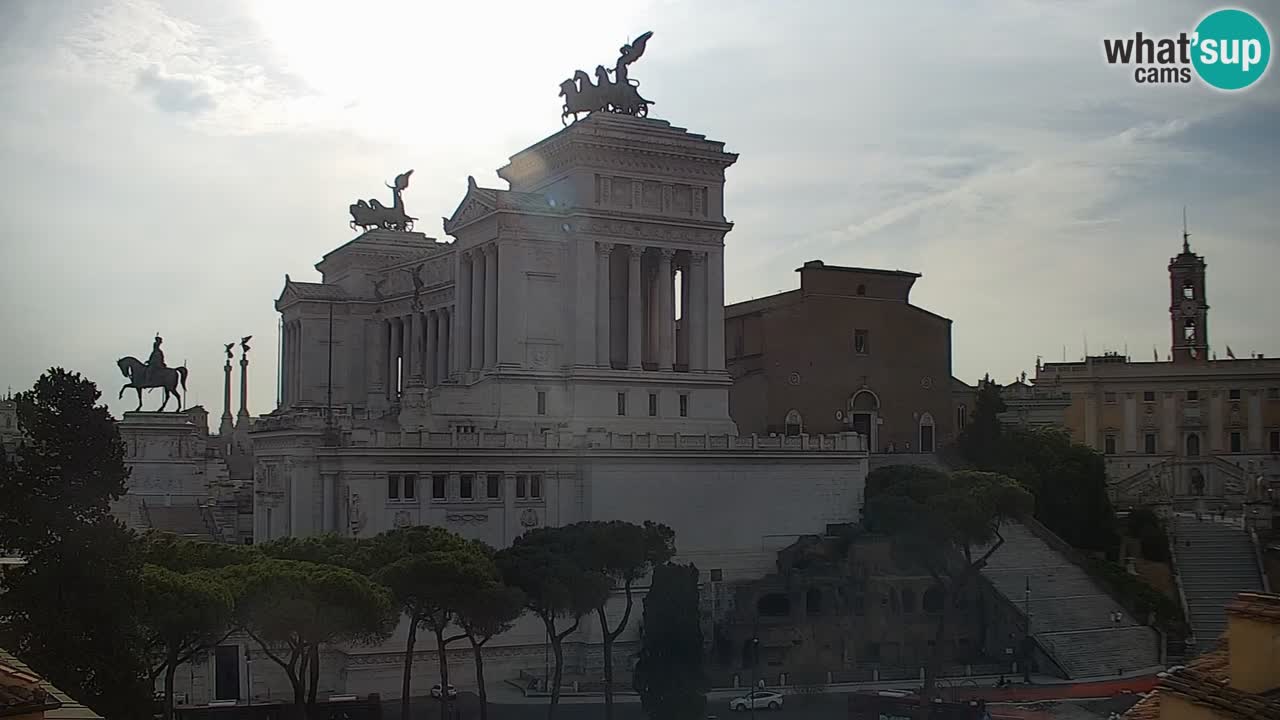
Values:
[(1231, 49)]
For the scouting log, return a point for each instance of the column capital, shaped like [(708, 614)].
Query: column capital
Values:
[(667, 253), (637, 251), (489, 249), (697, 257), (604, 248)]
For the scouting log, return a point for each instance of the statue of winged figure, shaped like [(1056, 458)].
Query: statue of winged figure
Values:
[(619, 94), (373, 214)]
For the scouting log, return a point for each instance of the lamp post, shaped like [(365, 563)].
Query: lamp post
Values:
[(1026, 636), (755, 662)]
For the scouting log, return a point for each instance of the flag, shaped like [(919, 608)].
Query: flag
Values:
[(1230, 354)]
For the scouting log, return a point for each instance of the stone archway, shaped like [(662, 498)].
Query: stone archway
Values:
[(864, 416), (927, 439)]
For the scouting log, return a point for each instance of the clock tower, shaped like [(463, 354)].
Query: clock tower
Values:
[(1188, 311)]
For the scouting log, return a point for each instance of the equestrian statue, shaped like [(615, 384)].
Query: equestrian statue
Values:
[(153, 374), (619, 95), (373, 214)]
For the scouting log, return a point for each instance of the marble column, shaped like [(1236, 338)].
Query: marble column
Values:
[(666, 323), (462, 308), (491, 305), (476, 330), (696, 321), (397, 350), (431, 347), (603, 349), (715, 310), (633, 307), (682, 337), (413, 350), (444, 354)]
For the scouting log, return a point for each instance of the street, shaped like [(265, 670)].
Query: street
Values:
[(797, 708)]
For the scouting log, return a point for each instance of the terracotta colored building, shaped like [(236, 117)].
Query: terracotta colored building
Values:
[(846, 351)]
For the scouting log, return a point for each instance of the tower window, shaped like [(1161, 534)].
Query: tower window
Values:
[(1188, 291), (1189, 330)]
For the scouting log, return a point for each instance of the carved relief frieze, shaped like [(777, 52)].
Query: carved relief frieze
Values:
[(648, 231)]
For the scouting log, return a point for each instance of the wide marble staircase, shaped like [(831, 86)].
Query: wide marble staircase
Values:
[(1073, 619), (1215, 561)]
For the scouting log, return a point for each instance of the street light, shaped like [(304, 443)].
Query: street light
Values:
[(755, 664)]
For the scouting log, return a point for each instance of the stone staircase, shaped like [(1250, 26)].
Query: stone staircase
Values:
[(1215, 561), (1072, 616)]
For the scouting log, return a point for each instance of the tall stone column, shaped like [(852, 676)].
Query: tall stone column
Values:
[(635, 252), (462, 308), (413, 350), (696, 322), (431, 347), (389, 359), (491, 305), (666, 323), (243, 414), (682, 337), (444, 354), (715, 310), (603, 348), (476, 331), (225, 428), (297, 361), (397, 343)]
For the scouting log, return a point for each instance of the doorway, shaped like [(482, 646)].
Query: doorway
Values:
[(226, 672)]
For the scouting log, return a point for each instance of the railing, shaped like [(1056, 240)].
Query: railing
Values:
[(600, 441)]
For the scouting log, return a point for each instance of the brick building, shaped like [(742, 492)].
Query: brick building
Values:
[(847, 350)]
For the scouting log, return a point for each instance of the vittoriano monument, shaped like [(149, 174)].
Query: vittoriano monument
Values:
[(153, 374), (619, 95), (373, 214)]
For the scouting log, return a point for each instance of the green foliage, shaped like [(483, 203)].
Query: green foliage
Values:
[(1149, 530), (980, 440), (669, 675), (179, 554), (181, 614), (71, 613), (1141, 598), (68, 467), (326, 549)]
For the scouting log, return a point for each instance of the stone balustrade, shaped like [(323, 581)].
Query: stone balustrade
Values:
[(601, 441)]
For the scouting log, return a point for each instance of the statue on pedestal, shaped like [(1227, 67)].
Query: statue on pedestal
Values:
[(373, 214), (153, 374), (619, 95)]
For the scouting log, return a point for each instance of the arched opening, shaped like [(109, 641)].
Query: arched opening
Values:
[(1188, 290), (794, 423), (926, 433), (813, 602), (1193, 445), (864, 409), (773, 605), (1189, 330)]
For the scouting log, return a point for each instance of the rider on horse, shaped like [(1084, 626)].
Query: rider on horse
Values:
[(156, 361)]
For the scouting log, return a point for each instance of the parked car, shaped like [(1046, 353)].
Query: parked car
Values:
[(435, 692), (759, 700)]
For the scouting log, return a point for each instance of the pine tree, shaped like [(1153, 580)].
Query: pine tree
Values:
[(669, 675)]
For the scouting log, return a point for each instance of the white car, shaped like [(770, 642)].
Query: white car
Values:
[(435, 692), (759, 700)]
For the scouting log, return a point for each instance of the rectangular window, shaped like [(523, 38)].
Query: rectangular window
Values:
[(535, 486), (522, 486), (393, 487), (622, 403), (1109, 445), (1148, 396), (1273, 393), (1193, 396), (1275, 441), (653, 405), (684, 406), (493, 486), (1235, 442), (410, 486), (438, 485), (542, 403), (466, 489), (861, 345), (1149, 444), (1233, 394), (1109, 398), (717, 575)]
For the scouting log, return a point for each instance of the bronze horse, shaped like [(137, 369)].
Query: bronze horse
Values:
[(140, 377)]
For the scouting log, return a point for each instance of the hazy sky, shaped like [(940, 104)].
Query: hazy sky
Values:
[(164, 164)]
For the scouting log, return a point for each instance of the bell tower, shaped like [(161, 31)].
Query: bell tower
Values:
[(1188, 310)]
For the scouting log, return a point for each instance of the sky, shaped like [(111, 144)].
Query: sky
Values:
[(165, 164)]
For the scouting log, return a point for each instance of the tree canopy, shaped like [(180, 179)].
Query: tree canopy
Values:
[(669, 675)]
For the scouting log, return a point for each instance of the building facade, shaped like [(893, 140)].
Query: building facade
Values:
[(1193, 429), (531, 372), (846, 351)]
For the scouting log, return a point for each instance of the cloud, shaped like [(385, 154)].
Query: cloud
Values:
[(175, 93)]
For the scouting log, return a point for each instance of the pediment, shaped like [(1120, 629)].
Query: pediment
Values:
[(477, 203)]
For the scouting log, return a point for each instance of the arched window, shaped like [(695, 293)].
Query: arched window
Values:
[(1189, 330), (1193, 445), (794, 423), (926, 433), (1188, 290), (962, 416)]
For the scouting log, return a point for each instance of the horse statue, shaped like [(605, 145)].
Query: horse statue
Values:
[(619, 95), (373, 214), (141, 377)]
